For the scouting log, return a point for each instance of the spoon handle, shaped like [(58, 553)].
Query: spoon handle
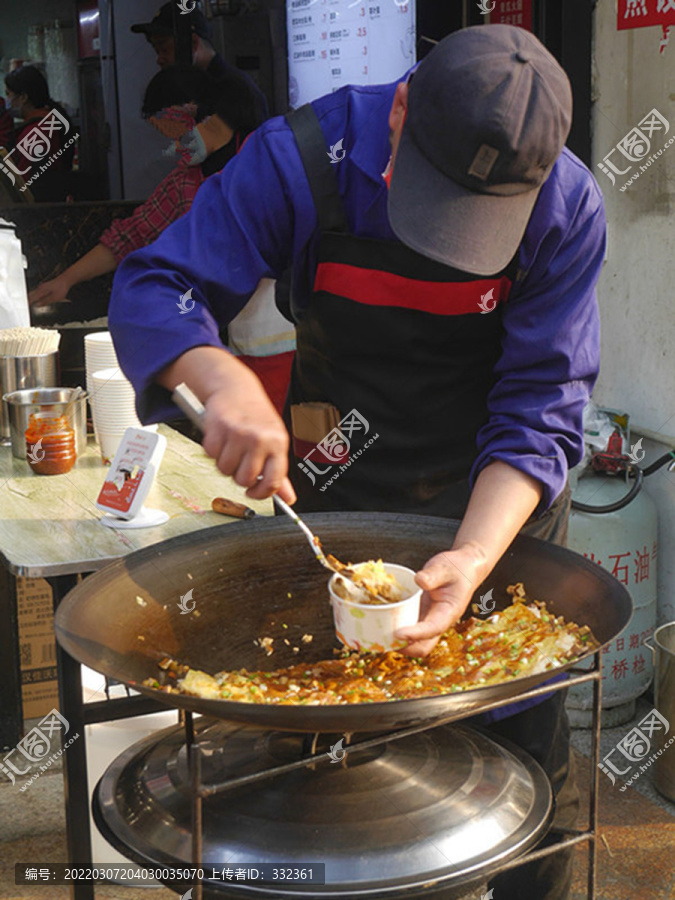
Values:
[(76, 394), (189, 403), (194, 410), (184, 398), (311, 537)]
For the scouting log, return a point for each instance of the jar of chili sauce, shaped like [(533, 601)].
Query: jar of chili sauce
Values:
[(50, 444)]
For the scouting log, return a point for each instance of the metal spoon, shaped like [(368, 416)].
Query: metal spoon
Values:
[(77, 393), (193, 408), (329, 562)]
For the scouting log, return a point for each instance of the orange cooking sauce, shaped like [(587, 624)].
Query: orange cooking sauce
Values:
[(50, 445)]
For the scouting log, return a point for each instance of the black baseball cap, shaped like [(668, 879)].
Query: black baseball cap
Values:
[(489, 111), (162, 23)]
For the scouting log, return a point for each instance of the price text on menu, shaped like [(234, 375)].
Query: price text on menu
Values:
[(332, 43)]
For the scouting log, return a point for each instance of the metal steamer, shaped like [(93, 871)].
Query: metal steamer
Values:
[(416, 807)]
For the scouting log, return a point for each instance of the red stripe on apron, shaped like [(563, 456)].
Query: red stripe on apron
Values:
[(373, 287)]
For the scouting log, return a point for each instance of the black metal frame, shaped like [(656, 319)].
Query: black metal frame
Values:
[(566, 29), (80, 714), (569, 837), (11, 707)]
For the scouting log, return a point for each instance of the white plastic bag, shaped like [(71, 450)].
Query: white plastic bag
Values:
[(13, 296)]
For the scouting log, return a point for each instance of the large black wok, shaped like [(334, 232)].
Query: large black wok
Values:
[(260, 579)]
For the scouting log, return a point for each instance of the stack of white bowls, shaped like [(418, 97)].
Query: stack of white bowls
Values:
[(114, 409), (99, 353)]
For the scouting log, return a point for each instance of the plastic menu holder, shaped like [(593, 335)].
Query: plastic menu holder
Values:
[(129, 480)]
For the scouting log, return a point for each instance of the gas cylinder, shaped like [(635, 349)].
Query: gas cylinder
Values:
[(625, 543)]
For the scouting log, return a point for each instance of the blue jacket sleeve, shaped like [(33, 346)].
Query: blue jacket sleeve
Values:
[(246, 223), (550, 348)]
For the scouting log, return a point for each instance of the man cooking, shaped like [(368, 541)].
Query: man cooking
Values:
[(445, 250)]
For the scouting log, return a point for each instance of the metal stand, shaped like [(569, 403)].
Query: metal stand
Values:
[(568, 837), (80, 714)]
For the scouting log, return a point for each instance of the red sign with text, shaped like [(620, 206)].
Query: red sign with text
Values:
[(512, 12), (640, 13)]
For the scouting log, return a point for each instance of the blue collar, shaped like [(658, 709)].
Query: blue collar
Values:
[(372, 149)]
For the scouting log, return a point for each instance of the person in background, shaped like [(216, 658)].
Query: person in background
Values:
[(206, 121), (6, 126), (27, 91), (12, 190), (160, 33)]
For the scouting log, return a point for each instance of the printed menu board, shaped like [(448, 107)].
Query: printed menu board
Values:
[(336, 42)]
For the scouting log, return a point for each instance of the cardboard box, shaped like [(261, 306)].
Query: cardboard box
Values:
[(37, 645)]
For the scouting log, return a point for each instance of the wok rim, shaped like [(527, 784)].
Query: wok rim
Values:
[(291, 717)]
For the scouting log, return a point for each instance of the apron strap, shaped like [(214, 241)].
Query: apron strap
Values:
[(323, 184)]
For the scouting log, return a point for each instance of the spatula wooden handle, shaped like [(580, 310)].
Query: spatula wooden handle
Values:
[(231, 508)]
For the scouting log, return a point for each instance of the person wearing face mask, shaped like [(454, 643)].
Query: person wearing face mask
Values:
[(205, 122), (27, 93)]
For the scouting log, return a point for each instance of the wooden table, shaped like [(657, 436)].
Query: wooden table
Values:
[(50, 528)]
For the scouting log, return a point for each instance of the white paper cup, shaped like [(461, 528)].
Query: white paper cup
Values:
[(99, 353), (371, 627), (99, 346), (109, 442), (98, 337)]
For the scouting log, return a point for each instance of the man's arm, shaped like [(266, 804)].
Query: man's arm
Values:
[(175, 295), (549, 363), (551, 342), (502, 500), (242, 430), (170, 200)]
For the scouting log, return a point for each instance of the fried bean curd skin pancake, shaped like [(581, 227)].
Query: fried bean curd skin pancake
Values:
[(521, 640)]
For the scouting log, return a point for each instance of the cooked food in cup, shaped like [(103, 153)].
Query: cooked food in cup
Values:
[(371, 582), (361, 622)]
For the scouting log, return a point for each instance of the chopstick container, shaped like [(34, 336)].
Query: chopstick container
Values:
[(662, 645), (20, 372)]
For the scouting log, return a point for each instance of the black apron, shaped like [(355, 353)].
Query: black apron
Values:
[(404, 348)]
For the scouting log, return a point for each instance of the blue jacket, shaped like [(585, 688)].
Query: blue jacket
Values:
[(253, 218)]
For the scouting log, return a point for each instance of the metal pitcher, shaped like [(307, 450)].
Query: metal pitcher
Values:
[(664, 696)]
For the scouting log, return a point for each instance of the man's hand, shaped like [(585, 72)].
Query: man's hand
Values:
[(248, 439), (449, 580), (54, 291), (501, 501), (243, 431)]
